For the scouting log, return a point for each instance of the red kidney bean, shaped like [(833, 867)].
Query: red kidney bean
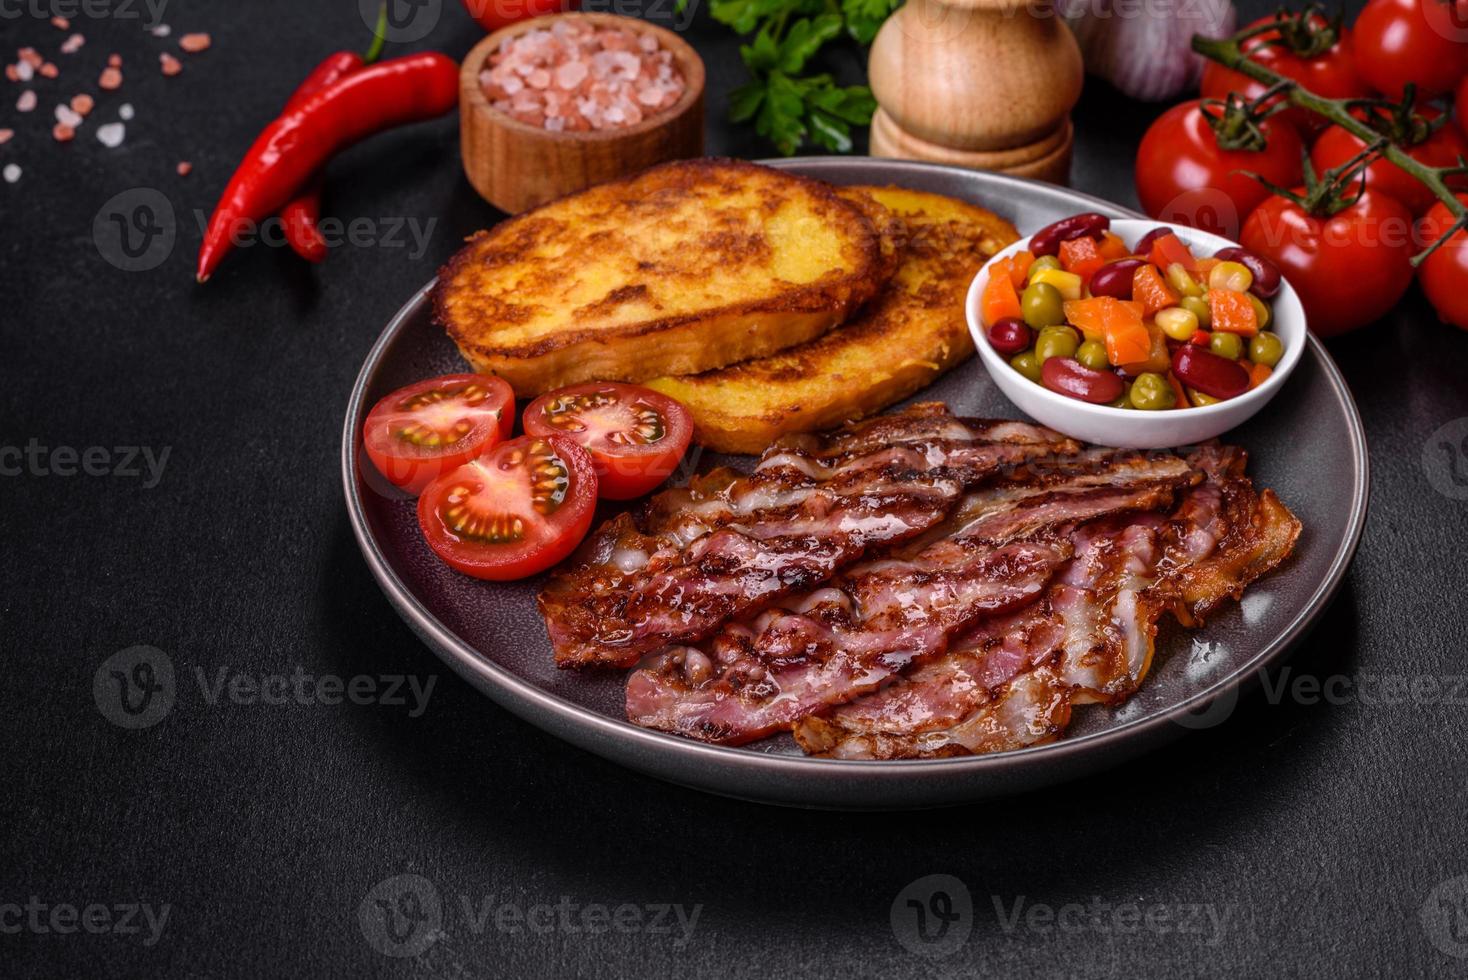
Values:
[(1069, 377), (1266, 273), (1209, 373), (1115, 278), (1144, 244), (1010, 335), (1047, 240)]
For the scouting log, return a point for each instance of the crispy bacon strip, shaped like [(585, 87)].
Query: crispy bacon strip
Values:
[(729, 547), (1012, 681), (842, 641)]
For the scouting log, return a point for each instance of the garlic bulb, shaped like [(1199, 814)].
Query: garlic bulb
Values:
[(1143, 46)]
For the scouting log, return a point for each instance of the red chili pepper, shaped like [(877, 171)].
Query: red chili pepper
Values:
[(294, 147), (303, 211)]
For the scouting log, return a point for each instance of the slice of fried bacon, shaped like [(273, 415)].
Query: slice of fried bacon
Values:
[(1011, 681), (830, 646), (729, 546)]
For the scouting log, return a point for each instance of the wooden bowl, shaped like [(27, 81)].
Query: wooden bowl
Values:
[(515, 166)]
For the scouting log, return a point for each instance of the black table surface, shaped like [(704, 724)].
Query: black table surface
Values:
[(249, 836)]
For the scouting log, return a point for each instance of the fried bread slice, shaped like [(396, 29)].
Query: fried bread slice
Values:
[(689, 266), (912, 332)]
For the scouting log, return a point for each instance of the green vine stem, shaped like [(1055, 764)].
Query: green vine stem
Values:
[(1229, 52)]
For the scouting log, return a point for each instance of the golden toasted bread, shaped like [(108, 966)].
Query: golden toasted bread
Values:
[(685, 267), (913, 331)]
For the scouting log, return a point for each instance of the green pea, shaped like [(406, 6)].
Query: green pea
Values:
[(1043, 262), (1226, 345), (1027, 364), (1199, 308), (1056, 342), (1151, 392), (1266, 348), (1124, 400), (1041, 305), (1092, 354)]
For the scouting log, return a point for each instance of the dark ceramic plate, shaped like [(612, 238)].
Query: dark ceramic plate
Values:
[(1308, 445)]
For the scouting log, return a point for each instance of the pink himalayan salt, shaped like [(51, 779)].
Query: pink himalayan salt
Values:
[(184, 168), (194, 43), (574, 77), (171, 66), (73, 44), (63, 133), (6, 135), (82, 103), (111, 79), (48, 70)]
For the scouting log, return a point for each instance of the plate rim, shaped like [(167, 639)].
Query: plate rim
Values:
[(589, 729)]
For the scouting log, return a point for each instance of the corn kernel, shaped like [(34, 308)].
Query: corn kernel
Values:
[(1068, 283), (1231, 275), (1177, 323), (1181, 282)]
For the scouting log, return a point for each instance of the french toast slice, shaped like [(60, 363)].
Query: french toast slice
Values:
[(689, 266), (912, 332)]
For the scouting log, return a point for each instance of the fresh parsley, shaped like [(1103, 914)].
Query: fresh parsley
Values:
[(788, 108)]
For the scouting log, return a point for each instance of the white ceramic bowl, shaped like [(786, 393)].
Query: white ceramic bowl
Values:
[(1128, 428)]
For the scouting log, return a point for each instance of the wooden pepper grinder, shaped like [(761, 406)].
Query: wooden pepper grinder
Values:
[(987, 84)]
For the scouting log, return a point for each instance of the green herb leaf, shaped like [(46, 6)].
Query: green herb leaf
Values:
[(830, 132), (745, 101), (805, 38), (865, 17)]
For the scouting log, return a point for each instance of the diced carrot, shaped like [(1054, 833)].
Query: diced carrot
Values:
[(1169, 249), (1177, 389), (1019, 268), (1000, 299), (1158, 359), (1232, 312), (1112, 247), (1151, 290), (1081, 256), (1258, 373), (1116, 322), (1204, 266)]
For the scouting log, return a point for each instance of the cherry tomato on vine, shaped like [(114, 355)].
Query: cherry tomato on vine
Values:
[(1444, 275), (635, 436), (494, 14), (1313, 52), (1418, 41), (1349, 268), (432, 426), (514, 511), (1185, 175), (1439, 149)]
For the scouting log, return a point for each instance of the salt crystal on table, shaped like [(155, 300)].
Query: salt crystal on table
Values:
[(12, 173), (194, 43), (60, 23), (184, 168), (112, 134), (24, 71), (114, 61), (162, 30), (111, 79), (82, 103), (26, 102), (73, 44), (11, 73), (125, 111), (48, 70), (171, 66), (68, 116), (31, 57), (62, 133), (6, 135)]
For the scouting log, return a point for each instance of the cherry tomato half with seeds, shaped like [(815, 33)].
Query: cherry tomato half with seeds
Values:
[(1444, 275), (428, 428), (514, 511), (635, 436)]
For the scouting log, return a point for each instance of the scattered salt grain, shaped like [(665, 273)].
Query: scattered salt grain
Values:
[(111, 134), (111, 79), (60, 23), (14, 75), (185, 168), (162, 30), (73, 44), (114, 61), (125, 111), (11, 173), (68, 116), (62, 133), (24, 71), (6, 135), (171, 65), (26, 102), (31, 57), (82, 103), (194, 43), (48, 70)]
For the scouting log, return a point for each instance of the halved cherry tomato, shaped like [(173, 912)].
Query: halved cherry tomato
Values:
[(428, 428), (514, 511), (635, 436)]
